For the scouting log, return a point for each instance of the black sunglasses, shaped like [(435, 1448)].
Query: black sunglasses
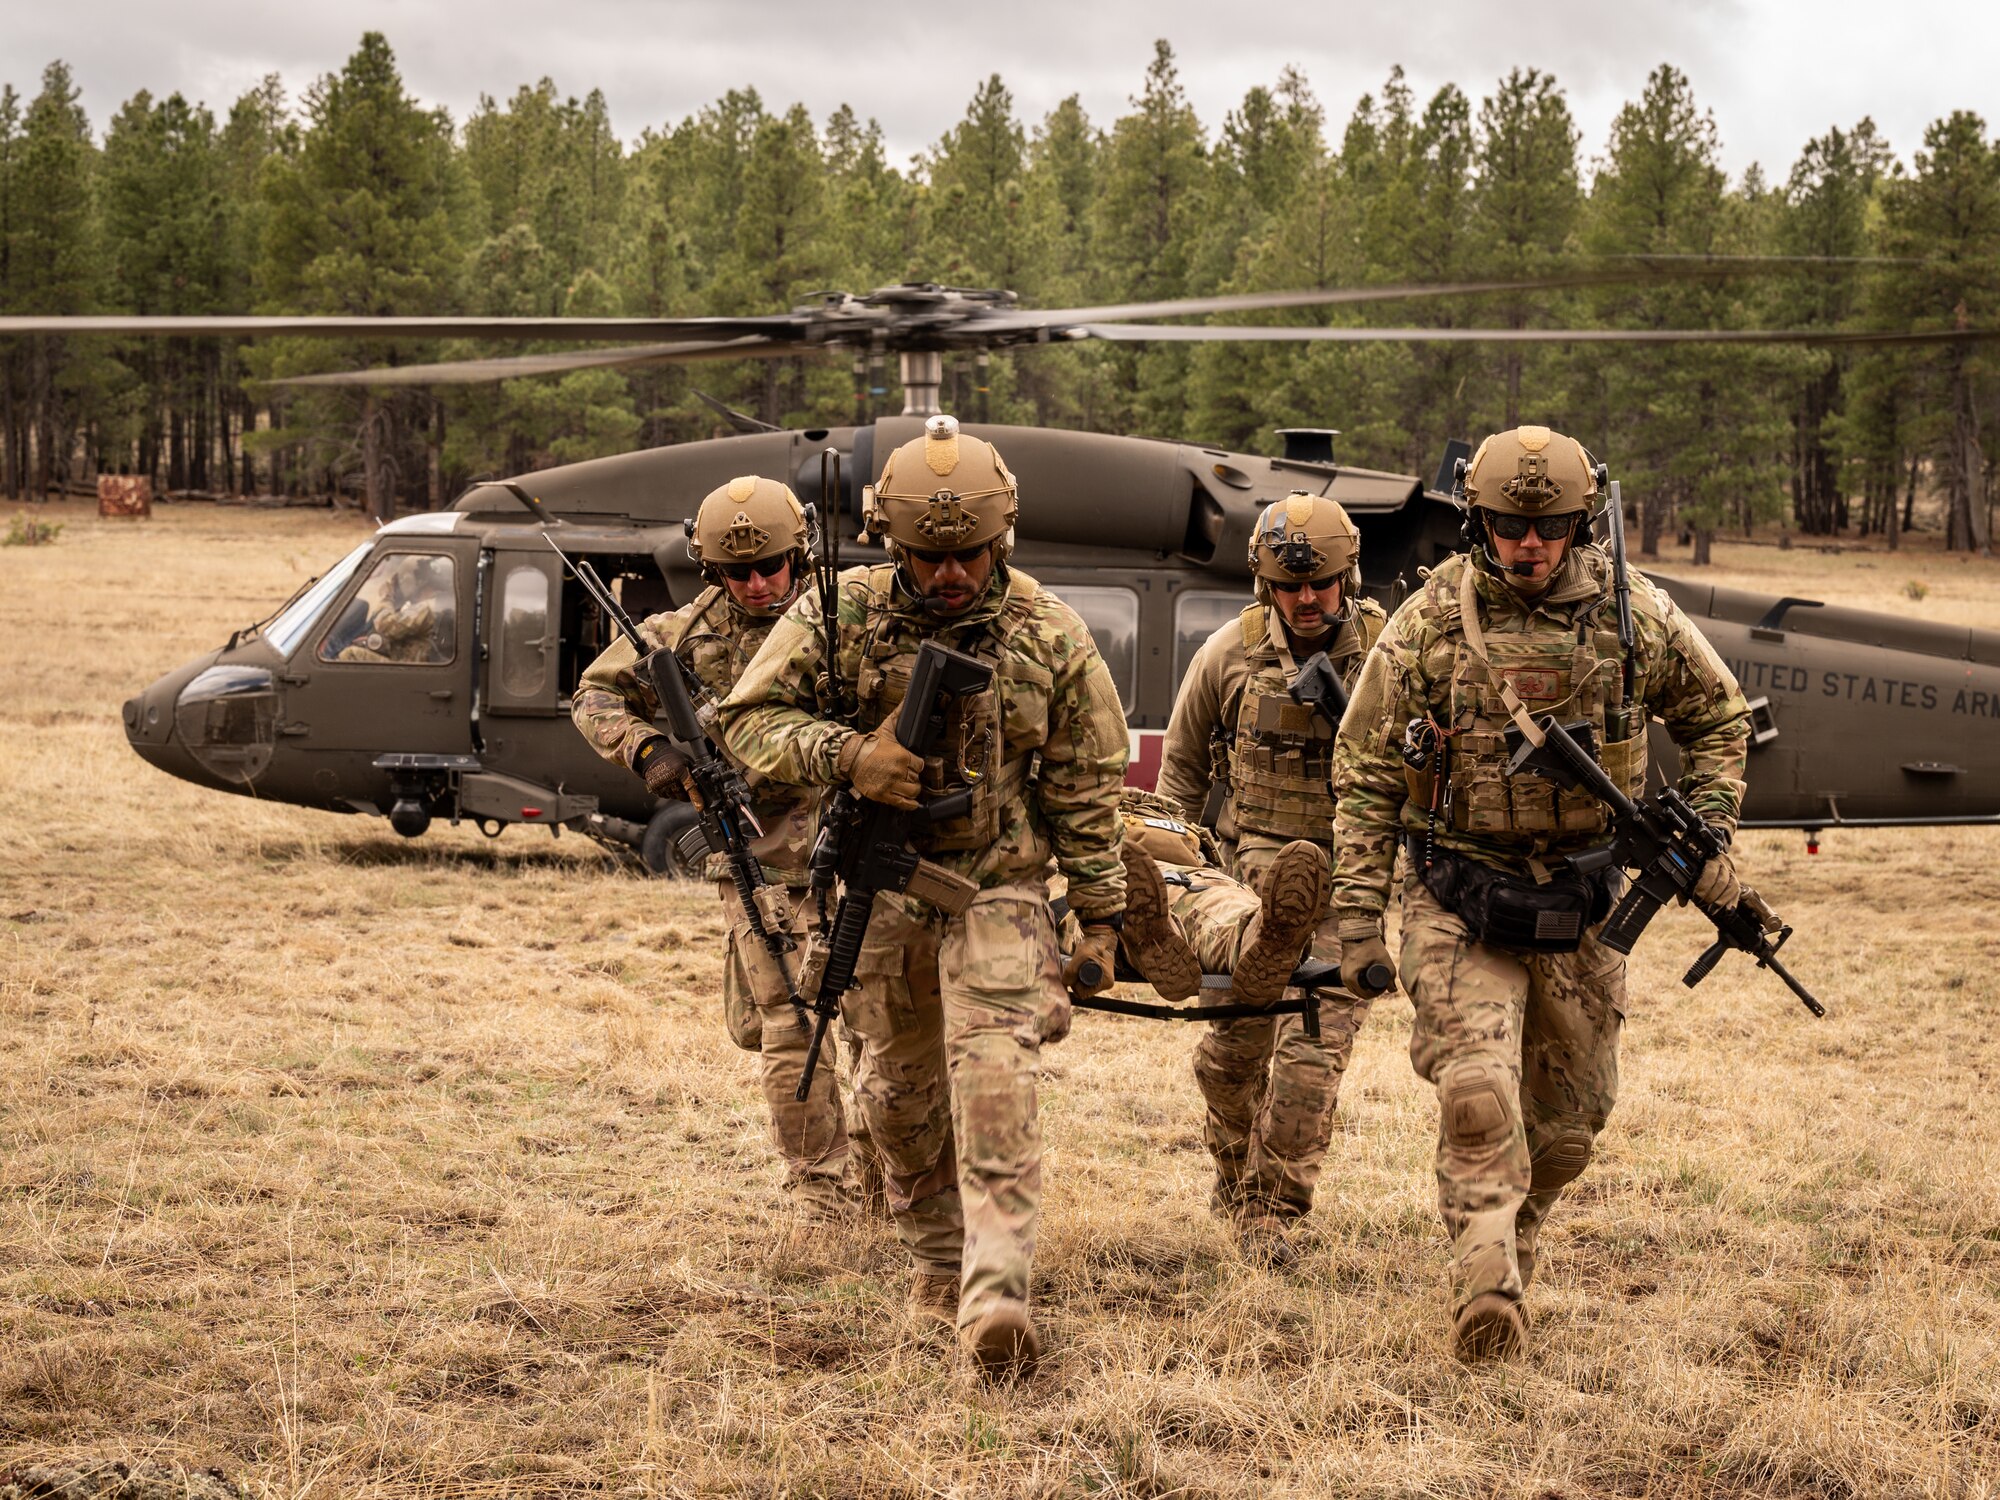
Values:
[(963, 556), (1548, 528), (1293, 585), (764, 567)]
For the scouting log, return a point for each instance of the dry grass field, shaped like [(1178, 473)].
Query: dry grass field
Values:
[(354, 1167)]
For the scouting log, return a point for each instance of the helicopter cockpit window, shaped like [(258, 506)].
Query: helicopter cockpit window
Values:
[(524, 630), (405, 615), (288, 627), (1113, 617), (1198, 614)]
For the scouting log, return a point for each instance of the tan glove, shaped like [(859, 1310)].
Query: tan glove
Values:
[(1097, 943), (1362, 949), (661, 766), (1719, 885), (880, 769)]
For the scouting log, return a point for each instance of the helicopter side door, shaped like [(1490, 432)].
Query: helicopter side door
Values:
[(538, 632), (388, 669)]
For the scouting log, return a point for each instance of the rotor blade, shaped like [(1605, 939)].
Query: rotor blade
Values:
[(570, 329), (1629, 269), (474, 371), (1152, 333)]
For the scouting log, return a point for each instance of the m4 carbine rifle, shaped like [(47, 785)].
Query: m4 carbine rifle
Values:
[(865, 845), (1664, 844), (716, 789)]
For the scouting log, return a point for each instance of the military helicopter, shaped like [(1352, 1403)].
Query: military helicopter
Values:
[(1146, 539)]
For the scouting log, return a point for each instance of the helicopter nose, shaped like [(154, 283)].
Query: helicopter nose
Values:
[(149, 722), (149, 718)]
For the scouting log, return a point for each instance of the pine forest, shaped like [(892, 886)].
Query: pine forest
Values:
[(355, 198)]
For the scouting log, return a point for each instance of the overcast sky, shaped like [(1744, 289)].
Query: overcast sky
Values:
[(1775, 74)]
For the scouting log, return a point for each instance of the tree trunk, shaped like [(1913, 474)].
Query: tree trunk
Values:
[(10, 476), (435, 441), (1704, 541), (38, 388), (1652, 523), (375, 475)]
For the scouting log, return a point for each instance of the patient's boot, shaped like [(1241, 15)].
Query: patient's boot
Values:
[(1150, 938), (1295, 892)]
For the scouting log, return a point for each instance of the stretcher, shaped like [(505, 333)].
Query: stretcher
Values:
[(1309, 979)]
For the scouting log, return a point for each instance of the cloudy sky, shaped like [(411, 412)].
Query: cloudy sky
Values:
[(1775, 74)]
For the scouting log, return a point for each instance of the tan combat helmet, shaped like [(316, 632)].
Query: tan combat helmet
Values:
[(944, 492), (1531, 471), (1303, 537), (745, 521)]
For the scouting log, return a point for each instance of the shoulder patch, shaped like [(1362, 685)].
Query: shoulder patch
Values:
[(1255, 625)]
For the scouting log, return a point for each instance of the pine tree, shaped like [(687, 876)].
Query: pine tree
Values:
[(164, 238), (1945, 215), (1661, 415), (1154, 170), (1824, 211), (54, 269), (1526, 201), (367, 219)]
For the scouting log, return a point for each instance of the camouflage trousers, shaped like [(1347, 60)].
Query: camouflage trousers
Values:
[(1270, 1088), (952, 1013), (1523, 1049), (812, 1136)]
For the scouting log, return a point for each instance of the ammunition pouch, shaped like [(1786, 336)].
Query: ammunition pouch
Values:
[(1515, 911), (1281, 766)]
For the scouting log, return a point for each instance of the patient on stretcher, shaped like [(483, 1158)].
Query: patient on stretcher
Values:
[(1184, 916)]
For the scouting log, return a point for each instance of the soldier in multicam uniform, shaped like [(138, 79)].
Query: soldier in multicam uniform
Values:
[(1520, 1038), (403, 627), (751, 539), (1258, 767), (952, 1011)]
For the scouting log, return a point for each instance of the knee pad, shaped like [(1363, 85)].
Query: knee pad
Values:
[(1477, 1100), (1560, 1160)]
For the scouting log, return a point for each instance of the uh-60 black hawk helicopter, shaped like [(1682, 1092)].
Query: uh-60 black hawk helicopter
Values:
[(1861, 719)]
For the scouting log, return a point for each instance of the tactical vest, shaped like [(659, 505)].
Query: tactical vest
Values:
[(1281, 756), (1573, 672), (717, 641), (984, 746), (716, 651)]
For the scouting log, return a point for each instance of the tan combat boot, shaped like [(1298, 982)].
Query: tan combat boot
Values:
[(1294, 900), (1149, 937), (823, 1200), (934, 1297), (1001, 1343), (1262, 1239), (1490, 1327)]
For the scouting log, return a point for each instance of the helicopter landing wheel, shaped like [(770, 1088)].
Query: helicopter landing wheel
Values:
[(674, 845)]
